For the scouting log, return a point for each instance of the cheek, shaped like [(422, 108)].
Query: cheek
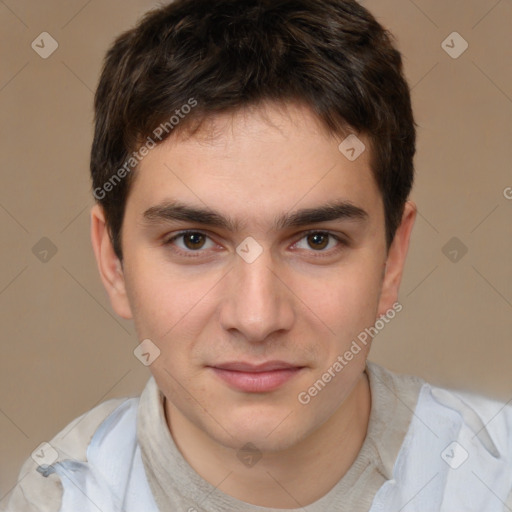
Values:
[(345, 300), (167, 303)]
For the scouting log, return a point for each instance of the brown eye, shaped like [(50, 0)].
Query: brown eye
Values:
[(190, 242), (321, 242), (194, 240), (318, 240)]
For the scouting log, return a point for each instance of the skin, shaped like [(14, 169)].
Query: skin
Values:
[(296, 302)]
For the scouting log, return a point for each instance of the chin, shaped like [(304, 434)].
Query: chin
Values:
[(268, 433)]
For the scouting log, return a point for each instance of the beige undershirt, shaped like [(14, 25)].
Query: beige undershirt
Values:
[(176, 486)]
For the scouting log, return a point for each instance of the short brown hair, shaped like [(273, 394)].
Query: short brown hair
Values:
[(331, 55)]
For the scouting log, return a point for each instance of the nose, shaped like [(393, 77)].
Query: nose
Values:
[(257, 302)]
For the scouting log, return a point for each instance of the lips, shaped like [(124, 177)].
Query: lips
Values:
[(256, 378), (269, 366)]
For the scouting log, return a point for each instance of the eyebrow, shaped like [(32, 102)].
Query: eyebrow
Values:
[(178, 211)]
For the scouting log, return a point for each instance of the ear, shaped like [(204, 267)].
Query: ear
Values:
[(395, 260), (109, 265)]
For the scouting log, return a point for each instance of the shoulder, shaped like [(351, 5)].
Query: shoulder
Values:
[(464, 442), (477, 410), (38, 491), (489, 419), (477, 432)]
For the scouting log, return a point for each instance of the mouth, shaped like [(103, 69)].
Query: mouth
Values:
[(256, 378)]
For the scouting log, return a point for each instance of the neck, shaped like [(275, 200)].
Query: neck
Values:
[(292, 478)]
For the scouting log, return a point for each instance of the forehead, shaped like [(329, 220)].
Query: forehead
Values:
[(255, 164)]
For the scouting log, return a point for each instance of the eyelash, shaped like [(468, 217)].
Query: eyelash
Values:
[(190, 253)]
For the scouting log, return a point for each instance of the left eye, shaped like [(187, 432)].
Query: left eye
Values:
[(318, 240)]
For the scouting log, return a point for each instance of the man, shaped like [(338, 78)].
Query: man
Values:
[(252, 163)]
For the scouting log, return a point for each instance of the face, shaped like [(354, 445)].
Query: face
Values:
[(268, 286)]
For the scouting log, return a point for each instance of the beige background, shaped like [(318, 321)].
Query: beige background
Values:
[(62, 349)]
